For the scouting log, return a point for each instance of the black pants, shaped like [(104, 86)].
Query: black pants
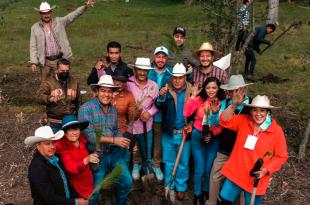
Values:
[(250, 61), (242, 35)]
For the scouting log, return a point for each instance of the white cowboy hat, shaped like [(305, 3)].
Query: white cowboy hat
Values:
[(161, 49), (179, 70), (105, 81), (142, 63), (42, 134), (261, 101), (45, 7), (224, 62), (235, 82)]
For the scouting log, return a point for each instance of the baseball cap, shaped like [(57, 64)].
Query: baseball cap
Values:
[(180, 30), (161, 49)]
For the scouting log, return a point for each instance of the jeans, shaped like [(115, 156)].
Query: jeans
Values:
[(250, 61), (171, 146), (146, 161), (106, 165), (230, 191), (203, 155)]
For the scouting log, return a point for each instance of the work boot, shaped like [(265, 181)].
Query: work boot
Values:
[(136, 171), (199, 200), (180, 195), (158, 173), (172, 196)]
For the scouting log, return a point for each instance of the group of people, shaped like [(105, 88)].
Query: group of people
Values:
[(140, 116)]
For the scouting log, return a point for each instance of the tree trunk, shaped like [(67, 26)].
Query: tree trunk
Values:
[(272, 17), (304, 142), (189, 2)]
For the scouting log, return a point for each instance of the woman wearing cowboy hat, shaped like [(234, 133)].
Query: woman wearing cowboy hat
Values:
[(258, 137), (75, 156)]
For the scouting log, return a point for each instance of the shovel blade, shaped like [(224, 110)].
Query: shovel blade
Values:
[(147, 182)]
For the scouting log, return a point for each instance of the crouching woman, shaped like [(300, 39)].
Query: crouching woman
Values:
[(259, 138)]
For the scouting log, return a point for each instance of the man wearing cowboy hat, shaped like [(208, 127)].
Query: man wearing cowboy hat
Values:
[(145, 92), (60, 94), (179, 52), (171, 103), (48, 39), (206, 68), (102, 117), (236, 84), (161, 75), (48, 180)]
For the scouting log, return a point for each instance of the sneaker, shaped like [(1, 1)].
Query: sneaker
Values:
[(158, 173), (136, 171), (172, 196)]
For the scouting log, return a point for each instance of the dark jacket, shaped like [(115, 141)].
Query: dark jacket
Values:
[(259, 38), (182, 54), (121, 69), (228, 137), (46, 184), (167, 104)]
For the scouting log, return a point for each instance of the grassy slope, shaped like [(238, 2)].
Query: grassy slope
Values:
[(145, 24)]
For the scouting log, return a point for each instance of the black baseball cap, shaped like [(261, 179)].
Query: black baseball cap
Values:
[(180, 30)]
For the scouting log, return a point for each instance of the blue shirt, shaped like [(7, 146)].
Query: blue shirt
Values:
[(179, 118)]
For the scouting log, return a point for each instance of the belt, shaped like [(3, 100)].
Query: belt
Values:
[(177, 131), (52, 58)]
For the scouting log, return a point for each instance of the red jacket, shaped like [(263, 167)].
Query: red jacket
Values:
[(242, 160), (80, 176)]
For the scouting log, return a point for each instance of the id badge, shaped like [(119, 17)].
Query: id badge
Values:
[(250, 142)]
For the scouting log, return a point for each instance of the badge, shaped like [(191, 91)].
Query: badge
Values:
[(250, 142)]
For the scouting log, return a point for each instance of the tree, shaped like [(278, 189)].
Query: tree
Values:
[(272, 16)]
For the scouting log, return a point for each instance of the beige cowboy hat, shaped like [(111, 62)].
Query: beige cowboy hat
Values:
[(235, 82), (105, 81), (261, 101), (42, 134), (142, 63), (179, 70), (206, 46), (45, 7)]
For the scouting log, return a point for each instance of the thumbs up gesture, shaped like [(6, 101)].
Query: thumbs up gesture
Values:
[(163, 90)]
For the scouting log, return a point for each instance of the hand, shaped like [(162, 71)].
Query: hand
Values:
[(34, 67), (122, 142), (145, 116), (135, 149), (215, 106), (89, 3), (238, 96), (195, 89), (99, 64), (92, 158), (261, 173), (207, 139), (82, 201), (187, 131), (163, 90), (270, 43), (56, 95), (71, 93)]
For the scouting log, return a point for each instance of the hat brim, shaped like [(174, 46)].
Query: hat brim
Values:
[(32, 140), (228, 87), (140, 67), (105, 85), (259, 106), (167, 54), (45, 11), (81, 125)]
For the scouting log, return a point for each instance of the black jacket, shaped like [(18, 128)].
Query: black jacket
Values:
[(121, 69), (259, 37), (46, 184)]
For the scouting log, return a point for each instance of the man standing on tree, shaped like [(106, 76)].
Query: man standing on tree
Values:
[(48, 39), (253, 45)]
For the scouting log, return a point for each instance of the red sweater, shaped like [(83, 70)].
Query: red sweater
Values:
[(242, 160), (80, 176)]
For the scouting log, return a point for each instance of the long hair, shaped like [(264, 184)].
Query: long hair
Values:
[(220, 93)]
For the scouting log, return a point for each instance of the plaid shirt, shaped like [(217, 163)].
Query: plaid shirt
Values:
[(201, 77), (107, 122), (51, 46)]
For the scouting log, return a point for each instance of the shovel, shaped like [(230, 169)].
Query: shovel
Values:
[(148, 178), (258, 165), (184, 136)]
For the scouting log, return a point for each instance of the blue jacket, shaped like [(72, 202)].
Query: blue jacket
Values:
[(166, 79), (259, 38), (167, 104)]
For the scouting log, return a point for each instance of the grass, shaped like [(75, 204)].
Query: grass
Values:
[(145, 24)]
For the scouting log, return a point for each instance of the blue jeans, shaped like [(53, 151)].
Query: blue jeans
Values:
[(204, 155), (106, 165), (141, 143), (171, 145), (230, 191)]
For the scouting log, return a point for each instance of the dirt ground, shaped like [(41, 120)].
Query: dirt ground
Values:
[(289, 186)]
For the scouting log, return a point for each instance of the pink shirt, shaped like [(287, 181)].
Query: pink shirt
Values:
[(51, 46), (144, 97)]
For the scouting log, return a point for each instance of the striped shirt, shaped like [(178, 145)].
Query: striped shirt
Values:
[(107, 123), (51, 46), (200, 77)]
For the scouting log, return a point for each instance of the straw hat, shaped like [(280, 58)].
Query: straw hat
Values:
[(42, 134), (206, 46), (261, 101), (45, 7), (105, 81), (235, 82), (142, 63)]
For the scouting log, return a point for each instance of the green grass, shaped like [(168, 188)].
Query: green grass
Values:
[(146, 24)]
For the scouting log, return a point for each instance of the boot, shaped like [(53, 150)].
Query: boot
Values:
[(199, 200), (221, 201)]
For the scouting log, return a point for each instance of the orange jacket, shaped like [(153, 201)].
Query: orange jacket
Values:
[(242, 160)]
